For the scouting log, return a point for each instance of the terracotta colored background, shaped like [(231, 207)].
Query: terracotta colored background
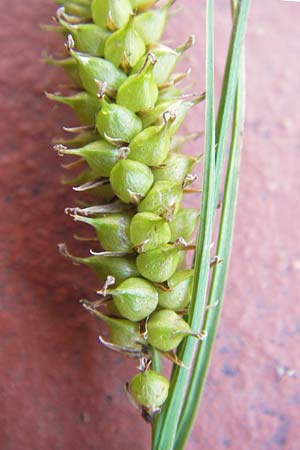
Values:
[(59, 389)]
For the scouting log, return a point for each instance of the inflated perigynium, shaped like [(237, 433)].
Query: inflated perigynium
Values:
[(150, 389), (131, 175)]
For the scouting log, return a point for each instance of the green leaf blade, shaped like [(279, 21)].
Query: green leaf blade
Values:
[(166, 423), (212, 317), (229, 86)]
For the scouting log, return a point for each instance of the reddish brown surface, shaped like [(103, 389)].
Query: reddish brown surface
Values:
[(59, 389)]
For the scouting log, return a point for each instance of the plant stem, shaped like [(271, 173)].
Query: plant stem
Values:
[(156, 360), (166, 424), (204, 352)]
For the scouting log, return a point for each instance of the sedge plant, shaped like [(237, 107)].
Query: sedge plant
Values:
[(132, 175)]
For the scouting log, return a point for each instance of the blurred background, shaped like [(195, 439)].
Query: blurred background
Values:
[(60, 389)]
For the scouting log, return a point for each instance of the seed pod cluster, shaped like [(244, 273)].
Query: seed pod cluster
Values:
[(134, 176)]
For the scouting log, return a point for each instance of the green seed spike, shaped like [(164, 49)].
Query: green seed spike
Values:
[(131, 180), (69, 65), (112, 231), (139, 92), (150, 390), (88, 38), (93, 69), (125, 47), (175, 167), (151, 24), (105, 265), (117, 122), (166, 330), (100, 155), (111, 14), (134, 176), (135, 298), (164, 199), (183, 224), (158, 265), (148, 231), (85, 105), (178, 296), (167, 59), (151, 146)]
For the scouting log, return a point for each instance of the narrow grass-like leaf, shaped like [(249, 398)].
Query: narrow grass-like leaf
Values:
[(204, 352), (166, 423), (218, 281), (229, 86)]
